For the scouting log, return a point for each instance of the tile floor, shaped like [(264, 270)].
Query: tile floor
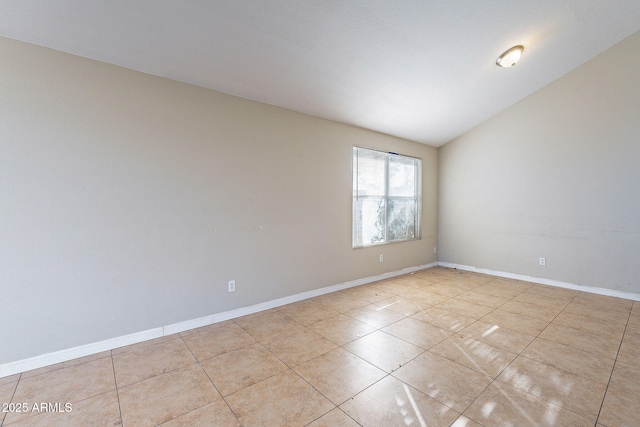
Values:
[(439, 347)]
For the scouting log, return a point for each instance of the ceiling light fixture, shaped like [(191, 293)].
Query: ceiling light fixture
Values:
[(510, 57)]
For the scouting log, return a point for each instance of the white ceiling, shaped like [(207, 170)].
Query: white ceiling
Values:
[(421, 70)]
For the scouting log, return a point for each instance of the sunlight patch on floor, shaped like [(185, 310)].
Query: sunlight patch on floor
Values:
[(415, 408), (490, 331)]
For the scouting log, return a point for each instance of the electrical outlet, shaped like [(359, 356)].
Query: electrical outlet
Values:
[(232, 286), (543, 261), (435, 249), (381, 257)]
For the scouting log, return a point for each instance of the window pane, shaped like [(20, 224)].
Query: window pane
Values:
[(386, 197), (369, 215), (402, 219), (371, 175), (402, 176)]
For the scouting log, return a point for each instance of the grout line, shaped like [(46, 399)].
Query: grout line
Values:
[(422, 353), (518, 354), (318, 391), (214, 386), (550, 322), (538, 336), (4, 415), (427, 284), (614, 365), (115, 381)]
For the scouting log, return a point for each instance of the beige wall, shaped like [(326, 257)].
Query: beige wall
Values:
[(557, 176), (128, 201)]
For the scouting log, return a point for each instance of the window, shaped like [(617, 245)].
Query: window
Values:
[(386, 197)]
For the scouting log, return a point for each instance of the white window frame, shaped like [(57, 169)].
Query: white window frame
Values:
[(357, 226)]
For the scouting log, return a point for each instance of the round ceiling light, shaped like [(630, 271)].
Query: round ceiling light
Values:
[(510, 57)]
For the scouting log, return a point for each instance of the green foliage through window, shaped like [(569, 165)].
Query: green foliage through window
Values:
[(386, 197)]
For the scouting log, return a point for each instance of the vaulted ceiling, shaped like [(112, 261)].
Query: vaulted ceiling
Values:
[(421, 70)]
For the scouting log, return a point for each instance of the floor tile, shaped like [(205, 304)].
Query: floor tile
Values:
[(216, 414), (560, 377), (556, 304), (412, 280), (434, 274), (375, 316), (340, 303), (630, 349), (149, 361), (463, 421), (594, 344), (626, 378), (206, 328), (608, 314), (249, 317), (552, 292), (68, 385), (515, 322), (481, 298), (545, 314), (369, 293), (446, 288), (445, 319), (589, 324), (603, 301), (497, 336), (77, 361), (165, 397), (298, 346), (335, 418), (383, 350), (474, 280), (390, 402), (425, 298), (417, 332), (503, 405), (101, 410), (620, 409), (464, 282), (631, 336), (401, 305), (476, 355), (144, 344), (630, 354), (6, 393), (308, 312), (564, 357), (634, 321), (556, 386), (396, 286), (241, 368), (10, 379), (269, 325), (520, 284), (499, 289), (339, 374), (214, 342), (466, 308), (424, 282), (449, 383), (341, 329), (282, 400)]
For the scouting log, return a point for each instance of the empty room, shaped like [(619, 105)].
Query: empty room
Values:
[(324, 213)]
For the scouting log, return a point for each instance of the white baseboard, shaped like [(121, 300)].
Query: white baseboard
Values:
[(542, 281), (109, 344), (75, 352)]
